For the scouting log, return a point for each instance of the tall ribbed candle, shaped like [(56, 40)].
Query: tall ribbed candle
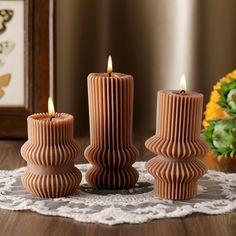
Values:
[(178, 143), (50, 152), (111, 151)]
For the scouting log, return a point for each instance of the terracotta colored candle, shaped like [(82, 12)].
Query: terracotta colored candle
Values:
[(50, 152), (111, 151), (177, 142)]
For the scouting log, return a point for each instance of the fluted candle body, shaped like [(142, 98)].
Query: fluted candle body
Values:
[(111, 151), (177, 142), (50, 152)]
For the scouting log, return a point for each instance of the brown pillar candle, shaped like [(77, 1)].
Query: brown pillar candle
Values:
[(177, 142), (50, 152), (111, 151)]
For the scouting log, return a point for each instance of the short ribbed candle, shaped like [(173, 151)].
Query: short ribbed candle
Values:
[(111, 151), (50, 152), (178, 143)]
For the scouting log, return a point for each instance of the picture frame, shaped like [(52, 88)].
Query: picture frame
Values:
[(38, 64)]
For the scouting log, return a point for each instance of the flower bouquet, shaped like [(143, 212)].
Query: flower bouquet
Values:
[(220, 123)]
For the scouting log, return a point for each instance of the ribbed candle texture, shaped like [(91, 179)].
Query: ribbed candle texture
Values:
[(177, 142), (50, 152), (111, 151)]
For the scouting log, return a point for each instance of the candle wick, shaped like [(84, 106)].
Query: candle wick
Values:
[(51, 118), (182, 91), (109, 74)]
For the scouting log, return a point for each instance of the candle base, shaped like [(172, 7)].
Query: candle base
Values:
[(112, 169), (51, 185), (178, 143), (111, 151), (50, 153), (176, 179)]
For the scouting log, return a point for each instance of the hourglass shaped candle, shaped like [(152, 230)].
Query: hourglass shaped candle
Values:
[(111, 151), (177, 142), (50, 152)]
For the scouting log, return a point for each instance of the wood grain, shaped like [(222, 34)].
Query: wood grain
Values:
[(28, 223)]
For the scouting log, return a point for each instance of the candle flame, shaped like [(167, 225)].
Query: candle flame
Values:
[(109, 64), (51, 110), (183, 85)]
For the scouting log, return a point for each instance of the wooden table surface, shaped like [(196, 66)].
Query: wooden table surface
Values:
[(28, 223)]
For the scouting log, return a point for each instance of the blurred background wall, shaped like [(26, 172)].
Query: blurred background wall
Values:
[(154, 40)]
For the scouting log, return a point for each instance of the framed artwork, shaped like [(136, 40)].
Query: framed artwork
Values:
[(26, 62)]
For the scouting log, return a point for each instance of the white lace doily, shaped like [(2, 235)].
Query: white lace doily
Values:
[(216, 195)]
